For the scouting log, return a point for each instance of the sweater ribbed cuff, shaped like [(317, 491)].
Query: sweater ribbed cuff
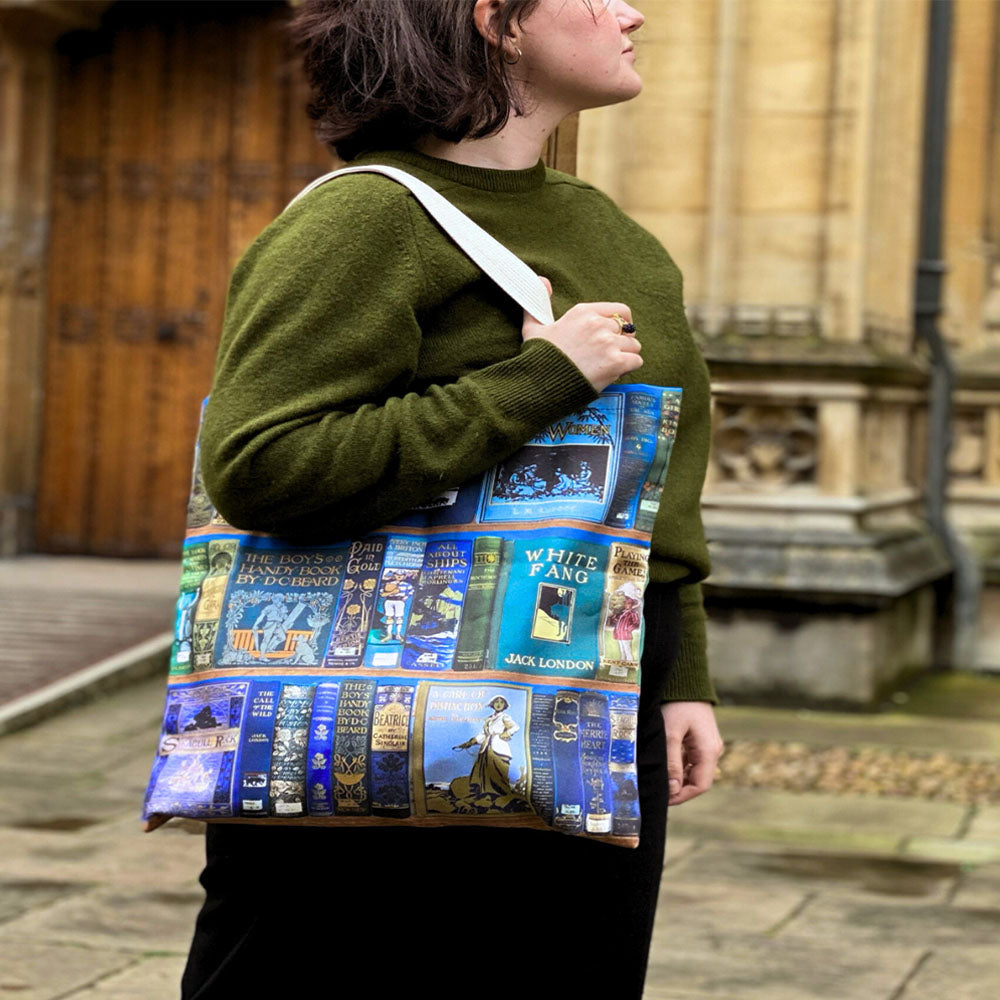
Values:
[(538, 386), (688, 678)]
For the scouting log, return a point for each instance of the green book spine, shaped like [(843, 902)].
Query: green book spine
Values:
[(480, 594)]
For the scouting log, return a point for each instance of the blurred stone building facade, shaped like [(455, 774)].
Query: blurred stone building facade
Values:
[(776, 151)]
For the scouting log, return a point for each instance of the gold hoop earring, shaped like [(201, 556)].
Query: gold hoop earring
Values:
[(514, 62)]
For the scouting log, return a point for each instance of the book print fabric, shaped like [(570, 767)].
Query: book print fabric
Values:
[(475, 662)]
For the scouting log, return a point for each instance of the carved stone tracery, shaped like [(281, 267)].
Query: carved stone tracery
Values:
[(764, 445)]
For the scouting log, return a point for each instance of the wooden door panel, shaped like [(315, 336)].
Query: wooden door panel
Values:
[(76, 251), (180, 134), (135, 141)]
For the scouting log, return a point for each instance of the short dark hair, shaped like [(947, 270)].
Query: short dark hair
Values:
[(384, 74)]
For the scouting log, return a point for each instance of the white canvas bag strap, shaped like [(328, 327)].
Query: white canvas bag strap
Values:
[(503, 266)]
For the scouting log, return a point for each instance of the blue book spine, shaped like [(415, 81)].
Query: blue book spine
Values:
[(390, 749), (454, 506), (355, 607), (171, 714), (638, 446), (623, 717), (351, 777), (193, 773), (652, 488), (436, 612), (568, 470), (570, 801), (255, 748), (319, 753), (552, 607), (540, 742), (595, 746), (404, 558), (279, 605)]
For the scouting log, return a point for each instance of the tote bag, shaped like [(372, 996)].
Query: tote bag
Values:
[(475, 662)]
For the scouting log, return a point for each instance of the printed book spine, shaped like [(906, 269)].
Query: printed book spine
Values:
[(194, 569), (355, 609), (623, 718), (390, 750), (193, 773), (499, 600), (570, 802), (208, 610), (567, 470), (454, 506), (652, 489), (279, 605), (473, 637), (595, 739), (621, 622), (540, 746), (351, 750), (437, 610), (255, 749), (319, 754), (638, 446), (288, 752), (404, 557)]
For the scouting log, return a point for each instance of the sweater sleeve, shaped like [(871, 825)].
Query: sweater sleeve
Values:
[(311, 430), (689, 679)]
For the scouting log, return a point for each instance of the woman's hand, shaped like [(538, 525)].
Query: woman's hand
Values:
[(694, 747), (590, 336)]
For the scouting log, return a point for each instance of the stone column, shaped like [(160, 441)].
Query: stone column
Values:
[(972, 301)]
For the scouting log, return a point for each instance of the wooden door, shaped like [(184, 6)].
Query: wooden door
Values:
[(180, 133)]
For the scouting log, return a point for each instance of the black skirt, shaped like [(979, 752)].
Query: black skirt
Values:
[(380, 910)]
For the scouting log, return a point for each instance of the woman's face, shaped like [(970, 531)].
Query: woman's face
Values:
[(578, 54)]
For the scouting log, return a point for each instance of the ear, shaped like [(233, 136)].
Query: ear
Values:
[(485, 15)]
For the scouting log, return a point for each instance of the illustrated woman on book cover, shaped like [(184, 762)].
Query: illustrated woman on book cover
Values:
[(491, 771), (396, 371)]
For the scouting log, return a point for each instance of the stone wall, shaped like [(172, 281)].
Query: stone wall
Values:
[(775, 151)]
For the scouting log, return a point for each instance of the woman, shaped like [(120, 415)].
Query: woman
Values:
[(365, 362)]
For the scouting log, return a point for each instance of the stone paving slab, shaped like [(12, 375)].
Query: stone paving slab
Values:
[(690, 910), (870, 823), (985, 824), (102, 606), (917, 733), (23, 894), (858, 920), (769, 969), (154, 978), (113, 854), (117, 919), (956, 974), (979, 888), (40, 970), (768, 867), (966, 850)]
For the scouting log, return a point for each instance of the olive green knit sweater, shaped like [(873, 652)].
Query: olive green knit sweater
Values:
[(366, 362)]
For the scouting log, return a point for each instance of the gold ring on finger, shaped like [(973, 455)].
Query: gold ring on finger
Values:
[(624, 326)]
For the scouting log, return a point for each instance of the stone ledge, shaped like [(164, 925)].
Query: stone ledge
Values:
[(809, 359), (867, 570)]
